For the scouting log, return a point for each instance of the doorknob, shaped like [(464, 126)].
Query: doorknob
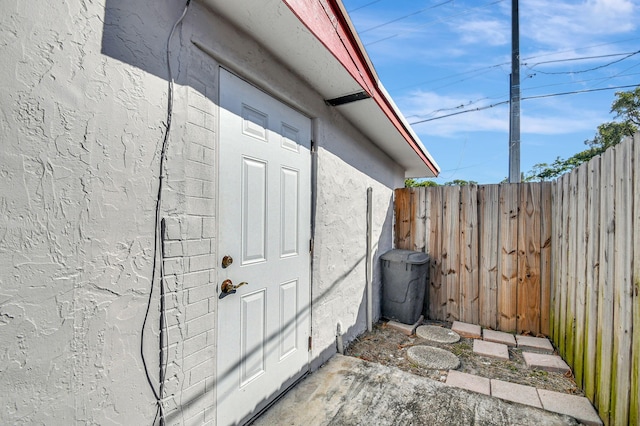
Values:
[(228, 288)]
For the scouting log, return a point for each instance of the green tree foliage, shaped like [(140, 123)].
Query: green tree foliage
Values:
[(460, 182), (626, 106), (415, 183)]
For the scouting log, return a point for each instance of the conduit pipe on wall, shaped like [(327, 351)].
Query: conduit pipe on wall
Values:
[(368, 261)]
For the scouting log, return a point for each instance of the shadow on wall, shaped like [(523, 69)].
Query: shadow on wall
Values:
[(353, 330), (136, 32)]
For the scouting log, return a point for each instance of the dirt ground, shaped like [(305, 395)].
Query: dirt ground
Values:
[(388, 346)]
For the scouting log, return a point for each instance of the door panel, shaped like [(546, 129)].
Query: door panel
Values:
[(289, 219), (253, 330), (288, 310), (264, 218), (254, 211)]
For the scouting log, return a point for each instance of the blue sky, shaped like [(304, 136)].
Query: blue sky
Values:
[(438, 57)]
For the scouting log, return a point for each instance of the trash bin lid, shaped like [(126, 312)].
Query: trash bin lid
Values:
[(405, 256)]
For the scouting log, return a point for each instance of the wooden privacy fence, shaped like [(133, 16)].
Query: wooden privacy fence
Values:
[(596, 276), (560, 259), (489, 248)]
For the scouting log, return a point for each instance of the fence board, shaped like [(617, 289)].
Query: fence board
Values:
[(634, 403), (591, 283), (546, 217), (418, 230), (507, 286), (488, 273), (605, 290), (469, 254), (563, 259), (451, 251), (570, 330), (437, 304), (622, 308), (426, 195), (403, 213), (557, 261), (579, 282), (528, 297)]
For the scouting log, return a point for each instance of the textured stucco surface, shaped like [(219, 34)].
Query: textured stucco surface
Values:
[(82, 114)]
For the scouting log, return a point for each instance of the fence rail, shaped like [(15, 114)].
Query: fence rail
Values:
[(556, 258)]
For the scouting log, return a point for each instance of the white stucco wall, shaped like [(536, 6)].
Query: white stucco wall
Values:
[(347, 166), (80, 132), (83, 108)]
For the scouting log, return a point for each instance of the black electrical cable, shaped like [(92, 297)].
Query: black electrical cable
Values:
[(158, 252)]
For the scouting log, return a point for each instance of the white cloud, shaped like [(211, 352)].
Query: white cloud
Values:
[(487, 32), (574, 23)]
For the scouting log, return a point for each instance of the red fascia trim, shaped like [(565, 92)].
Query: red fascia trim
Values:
[(331, 28), (328, 27)]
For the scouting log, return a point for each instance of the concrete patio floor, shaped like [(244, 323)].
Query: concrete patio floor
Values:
[(350, 391)]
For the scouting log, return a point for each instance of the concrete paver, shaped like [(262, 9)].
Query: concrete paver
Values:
[(467, 330), (407, 329), (545, 362), (438, 334), (498, 337), (495, 350), (433, 358), (514, 392), (468, 381), (571, 405), (534, 344)]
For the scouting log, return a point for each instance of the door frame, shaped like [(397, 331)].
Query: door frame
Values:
[(289, 383)]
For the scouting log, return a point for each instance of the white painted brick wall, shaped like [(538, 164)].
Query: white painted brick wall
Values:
[(190, 254)]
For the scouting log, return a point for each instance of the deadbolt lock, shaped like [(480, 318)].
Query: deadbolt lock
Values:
[(226, 261)]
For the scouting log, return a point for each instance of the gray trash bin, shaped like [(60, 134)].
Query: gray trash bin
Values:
[(404, 279)]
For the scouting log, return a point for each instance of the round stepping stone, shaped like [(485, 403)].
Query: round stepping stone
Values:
[(433, 358), (437, 334)]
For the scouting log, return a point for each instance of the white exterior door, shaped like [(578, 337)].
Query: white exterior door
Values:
[(264, 218)]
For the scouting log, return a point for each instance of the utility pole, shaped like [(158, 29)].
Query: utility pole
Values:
[(514, 97)]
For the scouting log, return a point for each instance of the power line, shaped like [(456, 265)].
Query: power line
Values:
[(582, 48), (434, 21), (526, 89), (580, 91), (456, 75), (524, 98), (489, 67), (460, 112), (620, 73), (578, 59), (587, 70), (417, 12), (365, 5), (599, 79)]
